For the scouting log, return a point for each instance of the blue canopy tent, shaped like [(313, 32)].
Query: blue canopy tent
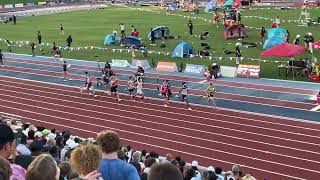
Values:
[(211, 6), (173, 7), (111, 39), (158, 32), (275, 36), (131, 40), (183, 49)]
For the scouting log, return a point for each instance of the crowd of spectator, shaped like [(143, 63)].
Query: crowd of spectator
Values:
[(36, 153)]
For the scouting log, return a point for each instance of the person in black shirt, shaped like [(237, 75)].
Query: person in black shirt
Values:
[(14, 19), (308, 40), (69, 41), (262, 33), (39, 37), (238, 53), (107, 67), (1, 58), (140, 71), (190, 25), (33, 47), (153, 42), (61, 30)]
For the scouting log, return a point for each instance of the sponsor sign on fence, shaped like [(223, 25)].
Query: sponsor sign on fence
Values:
[(143, 63), (193, 68), (8, 6), (30, 4), (167, 66), (249, 71), (227, 71), (120, 63), (18, 5), (42, 3)]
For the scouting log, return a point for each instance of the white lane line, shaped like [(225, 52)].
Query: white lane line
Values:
[(258, 89), (223, 93), (174, 113), (143, 135), (204, 112), (241, 101), (315, 108), (160, 147), (190, 129)]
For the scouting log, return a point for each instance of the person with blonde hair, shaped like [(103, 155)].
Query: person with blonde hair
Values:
[(5, 169), (85, 159), (44, 167)]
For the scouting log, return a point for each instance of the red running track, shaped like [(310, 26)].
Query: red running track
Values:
[(190, 79), (219, 95), (263, 146)]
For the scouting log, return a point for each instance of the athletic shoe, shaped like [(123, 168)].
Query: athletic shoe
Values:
[(119, 100), (165, 105), (189, 109), (64, 80), (95, 95)]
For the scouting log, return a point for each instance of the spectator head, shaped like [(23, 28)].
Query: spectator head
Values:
[(175, 162), (169, 156), (38, 135), (6, 140), (194, 165), (235, 169), (178, 158), (153, 154), (51, 142), (108, 141), (65, 170), (129, 148), (165, 171), (122, 155), (54, 151), (5, 169), (85, 159), (31, 134), (44, 167), (211, 169), (189, 173), (136, 156), (218, 170), (150, 161), (23, 139)]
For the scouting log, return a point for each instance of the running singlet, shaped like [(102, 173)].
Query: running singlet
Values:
[(130, 84), (184, 90), (211, 90)]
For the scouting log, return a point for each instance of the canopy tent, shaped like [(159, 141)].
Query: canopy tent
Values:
[(111, 39), (235, 31), (316, 45), (158, 32), (275, 36), (232, 4), (211, 6), (132, 40), (183, 49), (284, 50), (277, 32), (173, 7)]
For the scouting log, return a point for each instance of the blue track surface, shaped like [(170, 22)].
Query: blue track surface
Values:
[(243, 106)]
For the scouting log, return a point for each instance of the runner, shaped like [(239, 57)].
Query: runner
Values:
[(65, 71), (1, 58), (184, 93), (88, 85), (165, 92), (210, 91), (114, 87), (106, 80), (84, 80), (139, 85), (131, 87)]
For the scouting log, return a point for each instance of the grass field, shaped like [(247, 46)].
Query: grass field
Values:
[(89, 27)]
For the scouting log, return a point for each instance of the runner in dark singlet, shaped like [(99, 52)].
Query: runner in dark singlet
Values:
[(65, 71), (1, 58), (131, 87), (184, 93), (114, 87)]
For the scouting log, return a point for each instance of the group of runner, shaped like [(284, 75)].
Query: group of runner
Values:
[(135, 86)]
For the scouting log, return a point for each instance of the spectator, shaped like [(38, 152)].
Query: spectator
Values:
[(235, 172), (149, 162), (194, 166), (65, 170), (175, 163), (182, 163), (277, 21), (33, 47), (218, 172), (189, 174), (238, 53), (54, 152), (297, 40), (44, 167), (85, 159), (6, 141), (164, 171), (190, 26), (22, 146), (111, 168), (14, 19), (69, 41), (5, 170), (135, 161)]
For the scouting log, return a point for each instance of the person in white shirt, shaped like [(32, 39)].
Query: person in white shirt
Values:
[(122, 28)]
